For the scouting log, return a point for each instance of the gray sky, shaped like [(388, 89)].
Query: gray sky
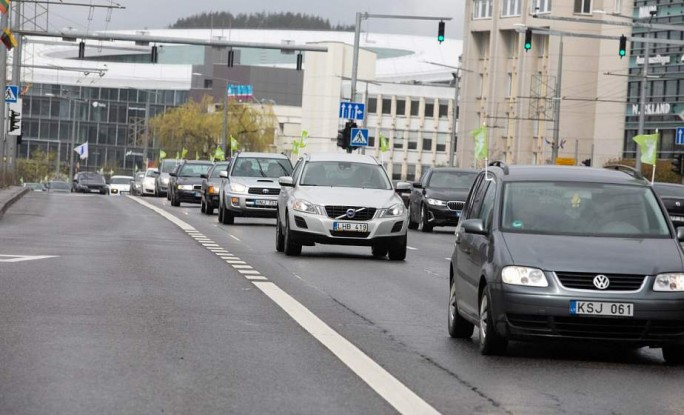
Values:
[(155, 14)]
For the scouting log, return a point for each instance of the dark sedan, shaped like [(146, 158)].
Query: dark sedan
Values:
[(211, 186), (187, 183), (438, 198), (672, 196)]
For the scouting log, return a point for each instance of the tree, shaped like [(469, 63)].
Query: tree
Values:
[(38, 167)]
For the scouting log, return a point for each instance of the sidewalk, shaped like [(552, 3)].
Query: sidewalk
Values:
[(9, 195)]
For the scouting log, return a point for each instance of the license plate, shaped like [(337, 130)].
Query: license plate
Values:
[(677, 218), (596, 308), (261, 202), (94, 190), (350, 227)]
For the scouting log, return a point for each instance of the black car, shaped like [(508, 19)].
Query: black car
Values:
[(89, 182), (438, 198), (186, 185), (672, 196), (211, 186), (571, 253)]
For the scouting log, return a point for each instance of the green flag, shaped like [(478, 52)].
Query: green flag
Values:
[(384, 144), (177, 155), (162, 154), (219, 154), (196, 155), (233, 144), (481, 148), (649, 145), (184, 153), (299, 144)]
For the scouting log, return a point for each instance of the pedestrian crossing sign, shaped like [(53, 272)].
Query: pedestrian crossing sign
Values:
[(11, 93), (359, 137)]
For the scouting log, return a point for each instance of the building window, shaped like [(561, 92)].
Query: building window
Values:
[(441, 141), (401, 107), (411, 172), (583, 6), (429, 110), (482, 9), (371, 141), (387, 106), (618, 6), (427, 141), (372, 105), (541, 6), (396, 171), (398, 142), (510, 8), (443, 110), (413, 140), (415, 107)]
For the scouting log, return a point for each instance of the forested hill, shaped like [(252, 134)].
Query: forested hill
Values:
[(296, 21)]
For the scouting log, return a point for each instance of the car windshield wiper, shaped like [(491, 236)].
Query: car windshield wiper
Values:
[(263, 174)]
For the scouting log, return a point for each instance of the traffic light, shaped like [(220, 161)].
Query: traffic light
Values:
[(154, 56), (300, 59), (15, 119), (586, 162), (440, 32), (344, 136), (81, 50), (677, 164), (623, 46), (231, 58), (528, 39)]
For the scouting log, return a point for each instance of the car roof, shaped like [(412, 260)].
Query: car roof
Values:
[(198, 162), (122, 177), (357, 158), (455, 169), (256, 154), (567, 174)]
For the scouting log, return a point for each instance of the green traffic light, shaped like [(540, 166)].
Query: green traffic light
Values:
[(528, 46), (440, 38), (622, 52)]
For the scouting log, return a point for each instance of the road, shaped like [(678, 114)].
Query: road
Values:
[(132, 306)]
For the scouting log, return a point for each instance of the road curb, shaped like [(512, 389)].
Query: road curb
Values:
[(4, 205)]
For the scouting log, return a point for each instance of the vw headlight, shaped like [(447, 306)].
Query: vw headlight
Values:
[(184, 187), (238, 188), (165, 180), (436, 202), (393, 211), (304, 206), (669, 282), (531, 277)]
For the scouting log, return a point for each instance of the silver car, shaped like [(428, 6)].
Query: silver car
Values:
[(341, 199), (250, 188)]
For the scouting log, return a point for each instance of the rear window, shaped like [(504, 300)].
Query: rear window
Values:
[(452, 179), (591, 209), (215, 174), (167, 166), (121, 180)]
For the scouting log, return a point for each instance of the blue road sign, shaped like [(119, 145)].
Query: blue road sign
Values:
[(359, 137), (352, 110), (11, 93), (679, 136)]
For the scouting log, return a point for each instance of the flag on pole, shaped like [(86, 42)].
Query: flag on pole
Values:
[(8, 38), (196, 155), (4, 6), (233, 144), (649, 145), (101, 171), (162, 154), (219, 154), (82, 150), (481, 148), (299, 144), (184, 153), (384, 144)]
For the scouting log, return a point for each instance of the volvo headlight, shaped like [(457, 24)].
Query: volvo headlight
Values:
[(304, 206), (531, 277), (393, 211), (436, 202), (669, 282), (238, 188), (184, 187)]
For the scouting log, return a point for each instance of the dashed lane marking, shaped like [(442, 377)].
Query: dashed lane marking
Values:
[(411, 248), (235, 237)]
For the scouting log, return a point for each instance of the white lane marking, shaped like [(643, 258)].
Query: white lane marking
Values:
[(22, 258), (234, 261), (448, 259), (256, 277), (411, 248), (392, 390), (238, 266), (185, 213), (235, 237), (403, 399), (210, 245)]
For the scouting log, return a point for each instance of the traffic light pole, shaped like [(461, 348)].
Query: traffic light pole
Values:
[(3, 107), (642, 100), (557, 104)]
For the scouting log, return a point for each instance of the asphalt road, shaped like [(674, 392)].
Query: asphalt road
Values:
[(142, 313)]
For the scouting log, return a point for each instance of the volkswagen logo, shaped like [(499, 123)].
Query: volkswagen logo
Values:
[(677, 204), (350, 213), (265, 191), (601, 282)]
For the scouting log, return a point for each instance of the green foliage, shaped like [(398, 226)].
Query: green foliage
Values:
[(663, 172), (261, 20), (37, 168)]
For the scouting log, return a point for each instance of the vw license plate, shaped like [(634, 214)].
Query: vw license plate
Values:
[(596, 308), (262, 202), (350, 227)]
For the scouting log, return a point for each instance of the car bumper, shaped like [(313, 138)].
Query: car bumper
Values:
[(252, 205), (442, 216), (212, 200), (310, 228), (658, 318), (189, 196), (118, 192)]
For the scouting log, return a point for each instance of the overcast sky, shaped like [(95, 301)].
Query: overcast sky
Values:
[(156, 14)]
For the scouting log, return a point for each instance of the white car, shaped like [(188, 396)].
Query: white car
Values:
[(119, 185), (149, 183), (341, 199)]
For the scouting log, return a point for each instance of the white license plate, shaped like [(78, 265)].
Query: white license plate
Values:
[(94, 190), (677, 218), (262, 202), (596, 308), (350, 227)]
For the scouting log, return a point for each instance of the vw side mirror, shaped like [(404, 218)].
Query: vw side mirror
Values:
[(223, 174)]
